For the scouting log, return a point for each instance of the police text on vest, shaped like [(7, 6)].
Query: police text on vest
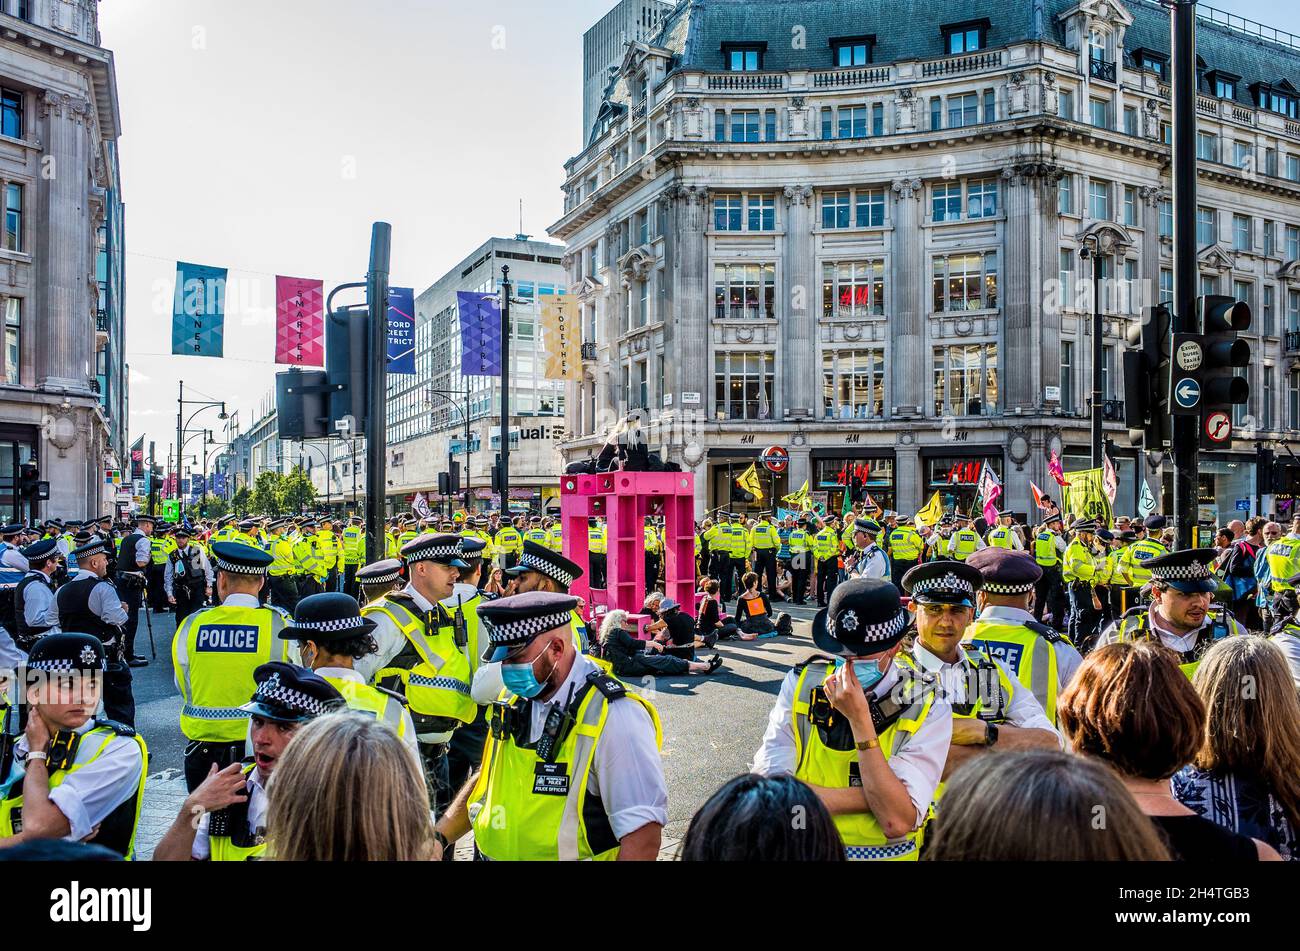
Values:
[(227, 638)]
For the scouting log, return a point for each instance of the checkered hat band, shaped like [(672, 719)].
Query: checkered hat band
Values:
[(948, 582), (61, 666), (514, 632), (872, 632), (91, 550), (223, 565), (374, 579), (555, 572), (338, 624), (277, 693), (1192, 572), (434, 551), (994, 588)]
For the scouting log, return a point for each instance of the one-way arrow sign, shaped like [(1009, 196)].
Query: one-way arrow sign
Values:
[(1184, 387), (1187, 393)]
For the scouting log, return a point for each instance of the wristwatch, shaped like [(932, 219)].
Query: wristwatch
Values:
[(990, 733), (37, 754), (871, 744)]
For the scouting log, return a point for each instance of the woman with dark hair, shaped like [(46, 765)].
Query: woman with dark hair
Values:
[(710, 620), (1130, 705), (763, 819), (1246, 776), (753, 610), (1040, 806), (631, 657)]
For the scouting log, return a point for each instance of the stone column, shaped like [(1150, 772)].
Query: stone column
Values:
[(908, 478), (798, 325), (62, 264), (1149, 250), (687, 292), (1031, 357), (907, 284), (800, 469)]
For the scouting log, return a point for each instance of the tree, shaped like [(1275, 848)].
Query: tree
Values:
[(297, 494), (241, 500), (213, 507), (266, 497)]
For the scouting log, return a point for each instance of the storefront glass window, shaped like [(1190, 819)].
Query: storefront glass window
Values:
[(1221, 483), (874, 477), (956, 479)]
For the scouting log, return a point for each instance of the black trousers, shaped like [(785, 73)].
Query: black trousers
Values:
[(350, 580), (188, 600), (738, 570), (1084, 619), (157, 596), (433, 756), (828, 572), (651, 570), (596, 561), (308, 585), (132, 592), (720, 570), (765, 567), (1049, 596), (200, 755), (799, 584), (119, 702), (653, 665), (284, 592), (465, 750), (332, 582)]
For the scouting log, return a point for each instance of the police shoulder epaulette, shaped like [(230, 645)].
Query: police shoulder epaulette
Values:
[(814, 659), (121, 729), (1049, 634), (611, 687), (394, 694), (280, 611)]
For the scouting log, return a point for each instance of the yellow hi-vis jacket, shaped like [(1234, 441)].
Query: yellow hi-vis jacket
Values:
[(437, 682)]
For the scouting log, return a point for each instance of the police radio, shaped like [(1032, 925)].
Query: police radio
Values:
[(559, 721)]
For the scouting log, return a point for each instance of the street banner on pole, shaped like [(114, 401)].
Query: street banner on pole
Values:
[(990, 489), (219, 484), (562, 338), (401, 330), (300, 321), (1085, 496), (199, 311), (480, 333)]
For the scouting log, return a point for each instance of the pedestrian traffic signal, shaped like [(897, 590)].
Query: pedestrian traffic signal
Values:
[(346, 365), (453, 478), (1147, 379), (1265, 477), (496, 478)]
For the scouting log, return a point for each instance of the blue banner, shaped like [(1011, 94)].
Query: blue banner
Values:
[(219, 484), (480, 334), (196, 486), (401, 330), (199, 310)]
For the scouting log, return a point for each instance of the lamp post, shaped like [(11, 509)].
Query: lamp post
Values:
[(182, 427), (1100, 241), (464, 415), (325, 457)]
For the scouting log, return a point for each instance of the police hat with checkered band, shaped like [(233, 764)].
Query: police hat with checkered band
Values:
[(444, 549), (541, 559), (515, 621), (943, 582), (1187, 571), (331, 616), (68, 653), (387, 571), (865, 616), (240, 559), (471, 549), (287, 693), (40, 551), (89, 545), (11, 530), (868, 525), (1006, 571)]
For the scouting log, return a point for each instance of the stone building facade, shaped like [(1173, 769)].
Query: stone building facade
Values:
[(63, 384), (797, 228)]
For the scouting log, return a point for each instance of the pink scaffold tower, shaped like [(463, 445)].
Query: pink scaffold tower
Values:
[(624, 499)]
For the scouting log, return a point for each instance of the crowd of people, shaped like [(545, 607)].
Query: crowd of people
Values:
[(974, 695)]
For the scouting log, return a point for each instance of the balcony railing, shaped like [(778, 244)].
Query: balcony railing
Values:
[(1113, 410), (101, 321), (589, 351), (876, 76), (1293, 341), (969, 63), (1102, 69), (746, 82)]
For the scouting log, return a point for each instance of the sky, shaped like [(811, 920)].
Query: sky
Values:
[(266, 136)]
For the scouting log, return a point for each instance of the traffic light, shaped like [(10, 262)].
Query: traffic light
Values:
[(346, 350), (496, 478), (453, 479), (1265, 477), (1222, 319), (300, 404), (29, 486), (1147, 380), (444, 484)]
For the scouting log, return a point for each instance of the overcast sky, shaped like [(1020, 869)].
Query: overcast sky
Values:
[(267, 135)]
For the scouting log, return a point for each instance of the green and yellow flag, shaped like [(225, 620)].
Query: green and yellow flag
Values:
[(749, 481), (932, 512), (799, 500), (1085, 496)]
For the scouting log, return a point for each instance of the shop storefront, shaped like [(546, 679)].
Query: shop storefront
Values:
[(16, 447), (956, 476), (1224, 479), (863, 473), (726, 466)]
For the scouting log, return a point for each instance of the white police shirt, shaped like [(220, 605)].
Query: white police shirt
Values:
[(40, 609), (11, 557), (1024, 710), (1068, 657), (1289, 645), (88, 796), (169, 574), (918, 766), (1180, 643), (258, 806), (871, 563), (105, 603), (347, 673)]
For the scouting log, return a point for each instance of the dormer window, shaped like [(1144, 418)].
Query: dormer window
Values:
[(1280, 99), (965, 37), (852, 51), (1224, 84), (1156, 63), (743, 57)]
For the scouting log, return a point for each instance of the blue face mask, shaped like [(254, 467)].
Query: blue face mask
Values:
[(869, 673), (520, 680)]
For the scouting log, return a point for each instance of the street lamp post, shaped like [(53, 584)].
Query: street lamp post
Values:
[(326, 457), (1100, 241), (182, 428)]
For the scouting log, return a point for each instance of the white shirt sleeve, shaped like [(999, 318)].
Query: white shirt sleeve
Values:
[(1290, 648), (627, 772), (1068, 660), (207, 570), (13, 558), (1060, 543), (390, 640), (979, 543), (168, 576), (39, 606), (106, 603), (919, 765), (201, 850), (143, 552), (776, 754), (1016, 543), (88, 795), (487, 684)]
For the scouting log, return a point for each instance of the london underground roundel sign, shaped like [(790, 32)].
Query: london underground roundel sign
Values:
[(775, 459)]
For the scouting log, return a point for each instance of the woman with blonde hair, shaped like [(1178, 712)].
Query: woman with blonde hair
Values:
[(631, 657), (348, 789), (1041, 805), (1246, 776)]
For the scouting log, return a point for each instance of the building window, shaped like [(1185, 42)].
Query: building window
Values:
[(853, 384), (1065, 104), (853, 208), (963, 110), (1284, 104), (982, 198), (1293, 167), (1225, 88), (990, 106), (13, 340), (877, 118), (965, 282), (936, 112), (852, 122), (1065, 195), (11, 113), (1206, 228), (1241, 232), (743, 59), (726, 213), (947, 202), (1166, 219), (743, 385), (1067, 277), (744, 291), (835, 209), (853, 289), (1292, 242), (1067, 376), (964, 37), (762, 212), (1098, 200), (1244, 291), (869, 207), (1166, 286), (1209, 284), (1266, 399), (1101, 113), (966, 380), (769, 125), (744, 125), (1270, 239), (1242, 154), (1167, 133), (1130, 206), (1268, 325), (719, 126), (1130, 121), (1152, 64), (13, 237), (855, 52), (1292, 311), (1207, 146)]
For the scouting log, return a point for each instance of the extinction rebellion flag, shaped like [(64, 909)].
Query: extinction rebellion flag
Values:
[(480, 334), (199, 310), (299, 321)]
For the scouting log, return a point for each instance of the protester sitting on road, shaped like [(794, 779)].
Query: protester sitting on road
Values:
[(1030, 805), (751, 819), (1246, 776), (631, 657), (679, 636), (349, 790), (1131, 706), (709, 620), (754, 610)]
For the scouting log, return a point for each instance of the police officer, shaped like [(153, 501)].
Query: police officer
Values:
[(327, 551), (571, 748), (1179, 616), (379, 578), (965, 541), (354, 545), (332, 636), (905, 545), (1006, 630), (939, 541), (739, 545), (541, 569), (764, 541), (1002, 535), (509, 543), (991, 709), (418, 654), (868, 735), (1283, 558), (214, 654), (465, 749), (134, 557), (536, 532), (826, 546), (13, 566), (1079, 572), (36, 611), (159, 548), (1049, 546), (188, 577), (89, 604), (282, 573), (1142, 551), (72, 776), (866, 560), (799, 543), (231, 803)]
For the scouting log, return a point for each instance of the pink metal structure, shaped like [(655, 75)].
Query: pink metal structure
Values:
[(624, 499)]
